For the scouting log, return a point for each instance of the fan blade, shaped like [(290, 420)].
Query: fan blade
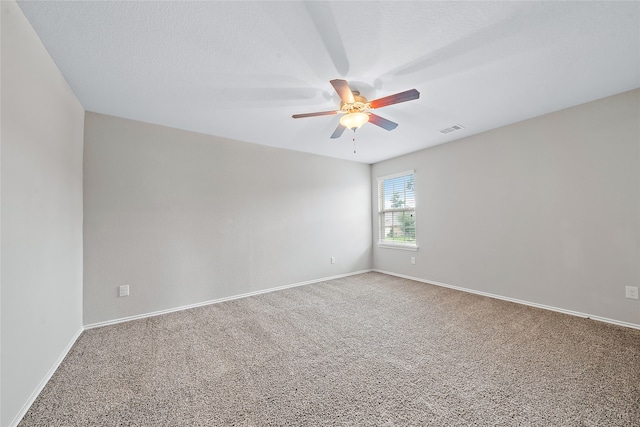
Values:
[(405, 96), (344, 91), (321, 113), (338, 131), (382, 122)]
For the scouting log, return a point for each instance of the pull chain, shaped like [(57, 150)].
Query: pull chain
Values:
[(354, 141)]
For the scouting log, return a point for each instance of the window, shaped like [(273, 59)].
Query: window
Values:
[(397, 210)]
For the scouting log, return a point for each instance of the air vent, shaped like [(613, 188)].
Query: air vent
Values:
[(452, 129)]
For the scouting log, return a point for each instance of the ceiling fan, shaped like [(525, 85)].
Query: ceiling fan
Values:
[(356, 108)]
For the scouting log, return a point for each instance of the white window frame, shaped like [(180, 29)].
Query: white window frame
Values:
[(382, 242)]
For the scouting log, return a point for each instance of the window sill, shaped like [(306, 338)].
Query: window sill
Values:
[(398, 246)]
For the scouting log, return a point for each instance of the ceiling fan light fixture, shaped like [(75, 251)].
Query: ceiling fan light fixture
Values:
[(354, 108), (354, 120)]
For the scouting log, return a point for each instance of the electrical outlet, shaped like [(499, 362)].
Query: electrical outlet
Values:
[(333, 260), (123, 291), (631, 292), (413, 260)]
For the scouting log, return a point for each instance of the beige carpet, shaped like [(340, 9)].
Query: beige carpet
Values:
[(366, 350)]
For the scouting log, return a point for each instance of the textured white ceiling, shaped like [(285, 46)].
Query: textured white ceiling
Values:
[(241, 69)]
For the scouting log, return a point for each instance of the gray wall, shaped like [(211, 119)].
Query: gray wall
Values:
[(41, 243), (184, 218), (546, 210)]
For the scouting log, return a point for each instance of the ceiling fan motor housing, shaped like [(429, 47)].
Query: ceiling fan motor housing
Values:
[(359, 105)]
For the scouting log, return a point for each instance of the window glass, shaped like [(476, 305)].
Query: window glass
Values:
[(396, 208)]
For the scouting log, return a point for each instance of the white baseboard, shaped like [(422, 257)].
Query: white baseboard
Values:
[(16, 420), (518, 301), (216, 301)]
